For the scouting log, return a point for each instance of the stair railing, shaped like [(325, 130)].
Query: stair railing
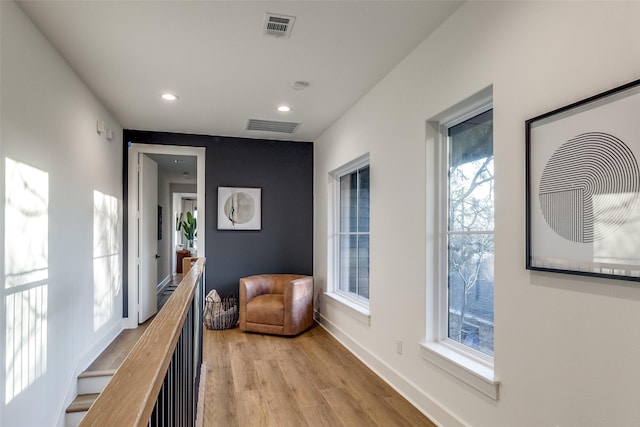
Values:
[(157, 383)]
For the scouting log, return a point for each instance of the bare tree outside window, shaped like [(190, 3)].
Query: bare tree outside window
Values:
[(470, 232)]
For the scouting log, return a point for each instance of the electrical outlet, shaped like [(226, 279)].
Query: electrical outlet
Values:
[(399, 346)]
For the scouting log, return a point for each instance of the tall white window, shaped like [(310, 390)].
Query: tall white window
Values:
[(460, 249), (467, 236), (351, 231)]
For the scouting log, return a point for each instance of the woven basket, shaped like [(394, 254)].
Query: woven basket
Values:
[(221, 315)]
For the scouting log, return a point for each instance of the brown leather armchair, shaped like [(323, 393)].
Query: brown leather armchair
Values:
[(279, 304)]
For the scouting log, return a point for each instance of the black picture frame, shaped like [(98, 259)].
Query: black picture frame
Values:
[(583, 187), (239, 208), (159, 222)]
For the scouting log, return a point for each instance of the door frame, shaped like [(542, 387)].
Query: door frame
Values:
[(132, 213)]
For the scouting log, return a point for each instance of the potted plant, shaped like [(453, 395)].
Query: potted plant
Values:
[(188, 228)]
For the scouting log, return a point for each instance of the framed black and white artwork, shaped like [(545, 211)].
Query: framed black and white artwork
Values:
[(583, 187), (239, 208)]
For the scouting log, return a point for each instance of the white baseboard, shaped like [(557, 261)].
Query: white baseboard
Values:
[(163, 284), (431, 408)]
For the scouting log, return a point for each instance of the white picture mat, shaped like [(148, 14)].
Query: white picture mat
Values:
[(224, 196), (617, 116)]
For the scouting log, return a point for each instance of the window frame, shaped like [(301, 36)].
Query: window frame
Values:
[(444, 233), (471, 366), (354, 304)]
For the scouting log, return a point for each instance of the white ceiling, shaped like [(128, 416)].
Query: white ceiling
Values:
[(212, 54), (177, 169)]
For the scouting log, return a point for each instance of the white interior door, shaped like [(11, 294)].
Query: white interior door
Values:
[(148, 240)]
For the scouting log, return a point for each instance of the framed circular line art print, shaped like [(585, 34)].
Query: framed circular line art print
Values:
[(583, 187), (239, 208)]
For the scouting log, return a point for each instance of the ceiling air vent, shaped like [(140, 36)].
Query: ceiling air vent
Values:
[(272, 126), (278, 25)]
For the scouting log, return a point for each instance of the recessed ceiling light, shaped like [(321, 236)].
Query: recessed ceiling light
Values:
[(169, 97), (284, 108), (300, 85)]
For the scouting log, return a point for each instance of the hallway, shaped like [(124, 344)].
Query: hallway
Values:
[(252, 379)]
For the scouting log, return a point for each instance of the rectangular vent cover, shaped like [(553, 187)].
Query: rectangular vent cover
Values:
[(272, 126), (277, 25)]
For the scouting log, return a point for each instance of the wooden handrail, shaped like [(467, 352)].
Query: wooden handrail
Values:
[(130, 396)]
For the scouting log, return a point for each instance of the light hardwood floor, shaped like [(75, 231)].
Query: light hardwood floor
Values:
[(113, 356), (309, 380)]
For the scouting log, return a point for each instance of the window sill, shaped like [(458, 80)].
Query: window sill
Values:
[(471, 372), (356, 310)]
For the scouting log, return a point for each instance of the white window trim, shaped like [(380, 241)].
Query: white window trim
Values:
[(358, 308), (463, 366), (472, 367)]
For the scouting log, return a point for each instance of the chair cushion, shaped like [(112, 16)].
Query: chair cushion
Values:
[(267, 309)]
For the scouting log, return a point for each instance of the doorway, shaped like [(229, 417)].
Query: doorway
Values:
[(137, 287), (183, 203)]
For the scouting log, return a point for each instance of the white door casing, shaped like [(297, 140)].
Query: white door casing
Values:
[(131, 321)]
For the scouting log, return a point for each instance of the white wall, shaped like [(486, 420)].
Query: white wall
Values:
[(566, 348), (48, 121)]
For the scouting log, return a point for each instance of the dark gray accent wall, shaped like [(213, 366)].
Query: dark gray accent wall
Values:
[(284, 171)]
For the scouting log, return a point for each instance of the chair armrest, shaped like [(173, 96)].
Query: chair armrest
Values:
[(299, 288), (251, 287), (298, 302)]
